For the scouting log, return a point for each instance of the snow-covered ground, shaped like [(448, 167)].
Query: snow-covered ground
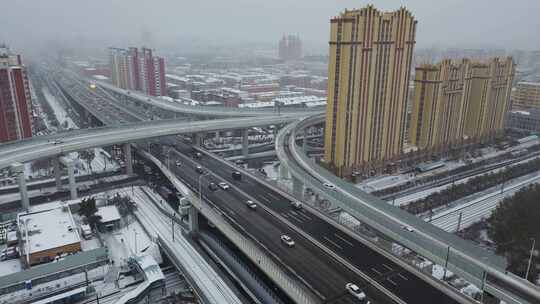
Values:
[(387, 181), (59, 111), (383, 182), (48, 190), (424, 193), (24, 295), (479, 206), (10, 266)]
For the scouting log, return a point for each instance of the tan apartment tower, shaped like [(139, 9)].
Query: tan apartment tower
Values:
[(368, 76), (487, 92), (457, 101), (438, 104)]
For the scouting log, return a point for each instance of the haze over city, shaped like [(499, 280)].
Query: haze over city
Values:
[(270, 152), (456, 23)]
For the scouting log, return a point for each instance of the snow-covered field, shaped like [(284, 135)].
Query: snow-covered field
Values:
[(60, 113)]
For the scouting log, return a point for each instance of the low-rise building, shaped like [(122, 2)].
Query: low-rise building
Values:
[(48, 234), (110, 217), (524, 120), (526, 95)]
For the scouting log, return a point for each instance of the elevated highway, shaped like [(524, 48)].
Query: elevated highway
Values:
[(77, 140), (471, 262), (207, 111)]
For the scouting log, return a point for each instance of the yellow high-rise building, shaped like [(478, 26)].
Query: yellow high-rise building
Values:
[(487, 94), (455, 101), (368, 77), (438, 107)]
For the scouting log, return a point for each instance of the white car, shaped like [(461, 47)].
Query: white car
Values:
[(251, 205), (223, 186), (410, 229), (287, 240), (178, 163), (328, 185), (355, 291), (296, 205)]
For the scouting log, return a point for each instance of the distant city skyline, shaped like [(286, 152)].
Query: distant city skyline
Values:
[(461, 23)]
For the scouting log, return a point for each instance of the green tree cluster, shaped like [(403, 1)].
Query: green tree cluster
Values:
[(473, 185), (88, 209), (513, 226)]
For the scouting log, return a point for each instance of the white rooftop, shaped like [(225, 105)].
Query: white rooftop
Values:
[(47, 229), (108, 214)]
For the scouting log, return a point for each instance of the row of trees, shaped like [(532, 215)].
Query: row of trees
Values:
[(473, 185), (513, 226), (88, 208), (445, 174)]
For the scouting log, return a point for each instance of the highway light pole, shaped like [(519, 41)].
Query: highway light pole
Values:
[(172, 224), (169, 158), (530, 258), (200, 188), (135, 239)]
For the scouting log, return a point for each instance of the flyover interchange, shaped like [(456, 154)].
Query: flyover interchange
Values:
[(40, 147), (464, 258)]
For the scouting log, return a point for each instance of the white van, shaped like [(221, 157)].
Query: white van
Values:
[(86, 232)]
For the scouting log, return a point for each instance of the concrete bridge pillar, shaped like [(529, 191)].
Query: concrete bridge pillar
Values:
[(129, 159), (245, 142), (18, 170), (57, 173), (304, 141), (70, 165), (298, 188), (193, 216), (199, 139), (283, 171)]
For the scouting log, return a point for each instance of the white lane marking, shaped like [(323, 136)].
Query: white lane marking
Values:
[(403, 277), (376, 271), (343, 239), (265, 199), (332, 242), (304, 216), (387, 267), (394, 283), (297, 219), (273, 196)]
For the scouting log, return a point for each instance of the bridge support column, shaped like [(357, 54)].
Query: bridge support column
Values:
[(283, 171), (245, 142), (57, 173), (304, 141), (199, 139), (70, 165), (193, 219), (18, 170), (298, 188), (129, 159)]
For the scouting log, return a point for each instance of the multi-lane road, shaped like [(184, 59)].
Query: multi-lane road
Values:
[(321, 270), (324, 257)]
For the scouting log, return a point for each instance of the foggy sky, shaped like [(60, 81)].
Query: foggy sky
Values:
[(442, 23)]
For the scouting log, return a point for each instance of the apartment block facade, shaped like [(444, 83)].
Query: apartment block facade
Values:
[(139, 70), (526, 95), (455, 101), (368, 76), (15, 98), (487, 94)]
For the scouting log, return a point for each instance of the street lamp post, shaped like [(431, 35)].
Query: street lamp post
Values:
[(172, 224), (169, 158), (200, 185), (135, 239), (530, 258)]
